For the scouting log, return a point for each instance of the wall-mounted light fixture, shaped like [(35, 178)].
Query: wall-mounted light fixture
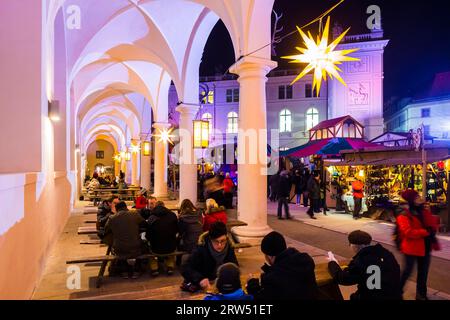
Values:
[(53, 110), (128, 156)]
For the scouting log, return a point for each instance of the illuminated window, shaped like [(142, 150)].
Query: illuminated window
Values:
[(232, 122), (208, 99), (285, 121), (312, 118)]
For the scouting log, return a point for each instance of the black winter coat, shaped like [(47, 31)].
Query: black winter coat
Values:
[(103, 214), (162, 230), (125, 227), (284, 190), (291, 277), (201, 264), (357, 273), (190, 228), (313, 188)]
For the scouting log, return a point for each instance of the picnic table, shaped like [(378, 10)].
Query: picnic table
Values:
[(100, 194)]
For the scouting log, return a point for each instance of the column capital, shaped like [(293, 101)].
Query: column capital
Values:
[(161, 125), (253, 66), (188, 109)]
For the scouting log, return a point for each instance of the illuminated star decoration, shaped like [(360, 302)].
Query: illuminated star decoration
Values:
[(321, 57), (165, 136)]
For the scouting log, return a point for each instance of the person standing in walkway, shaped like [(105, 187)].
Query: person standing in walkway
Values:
[(284, 193), (228, 191), (314, 194), (305, 178), (358, 195), (274, 182), (360, 270), (417, 229), (298, 183)]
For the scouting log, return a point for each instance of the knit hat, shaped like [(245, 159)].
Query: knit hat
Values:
[(121, 206), (228, 278), (409, 195), (359, 237), (273, 244)]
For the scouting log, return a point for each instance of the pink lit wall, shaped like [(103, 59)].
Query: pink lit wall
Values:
[(34, 199), (20, 84)]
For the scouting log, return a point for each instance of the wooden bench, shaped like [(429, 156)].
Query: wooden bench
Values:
[(87, 230), (109, 258)]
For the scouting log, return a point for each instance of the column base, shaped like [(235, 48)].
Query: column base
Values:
[(252, 235), (162, 196)]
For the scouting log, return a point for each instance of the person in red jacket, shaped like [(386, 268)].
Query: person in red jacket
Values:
[(141, 201), (213, 214), (228, 190), (417, 231)]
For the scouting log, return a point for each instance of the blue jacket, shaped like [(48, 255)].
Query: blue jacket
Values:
[(237, 295)]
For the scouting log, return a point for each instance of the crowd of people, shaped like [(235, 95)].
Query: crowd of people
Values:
[(309, 190), (287, 274)]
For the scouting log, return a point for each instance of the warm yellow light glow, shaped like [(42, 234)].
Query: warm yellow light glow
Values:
[(201, 134), (165, 136), (127, 156), (117, 158), (146, 148), (331, 170), (361, 173), (135, 148), (321, 57)]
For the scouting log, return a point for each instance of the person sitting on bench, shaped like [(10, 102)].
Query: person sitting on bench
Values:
[(213, 250), (125, 227), (105, 210), (213, 213), (162, 234), (229, 284)]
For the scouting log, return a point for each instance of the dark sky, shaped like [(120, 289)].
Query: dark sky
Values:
[(419, 34)]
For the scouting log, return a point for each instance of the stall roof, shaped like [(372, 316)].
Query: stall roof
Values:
[(389, 156)]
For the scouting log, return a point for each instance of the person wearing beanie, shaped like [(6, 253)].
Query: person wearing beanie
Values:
[(287, 275), (229, 284), (360, 270), (213, 250), (284, 194), (417, 229)]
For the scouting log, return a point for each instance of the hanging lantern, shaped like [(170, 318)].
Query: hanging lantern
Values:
[(135, 148), (128, 156), (146, 148), (321, 57), (201, 134)]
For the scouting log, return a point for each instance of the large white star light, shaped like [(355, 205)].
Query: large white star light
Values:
[(321, 57)]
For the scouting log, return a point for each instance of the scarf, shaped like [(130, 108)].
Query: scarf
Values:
[(218, 257)]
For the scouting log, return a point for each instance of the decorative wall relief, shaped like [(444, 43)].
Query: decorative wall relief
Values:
[(361, 66), (358, 93)]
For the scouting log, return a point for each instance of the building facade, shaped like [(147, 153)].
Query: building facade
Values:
[(432, 111), (293, 110)]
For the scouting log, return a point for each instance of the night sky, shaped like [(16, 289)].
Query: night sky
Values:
[(419, 34)]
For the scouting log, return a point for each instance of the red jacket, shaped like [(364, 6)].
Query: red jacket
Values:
[(228, 185), (215, 215), (412, 232), (141, 202)]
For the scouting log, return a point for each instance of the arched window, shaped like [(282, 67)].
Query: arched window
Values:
[(232, 122), (285, 121), (312, 118), (208, 117)]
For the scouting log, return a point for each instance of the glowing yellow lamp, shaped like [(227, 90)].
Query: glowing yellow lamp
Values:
[(146, 148), (201, 134)]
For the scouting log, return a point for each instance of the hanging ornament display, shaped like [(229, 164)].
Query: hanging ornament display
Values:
[(321, 57)]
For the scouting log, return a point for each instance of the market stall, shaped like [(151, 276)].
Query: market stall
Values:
[(386, 171)]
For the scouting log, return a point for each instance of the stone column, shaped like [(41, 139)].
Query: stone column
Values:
[(252, 176), (145, 171), (188, 167), (161, 148), (134, 168)]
